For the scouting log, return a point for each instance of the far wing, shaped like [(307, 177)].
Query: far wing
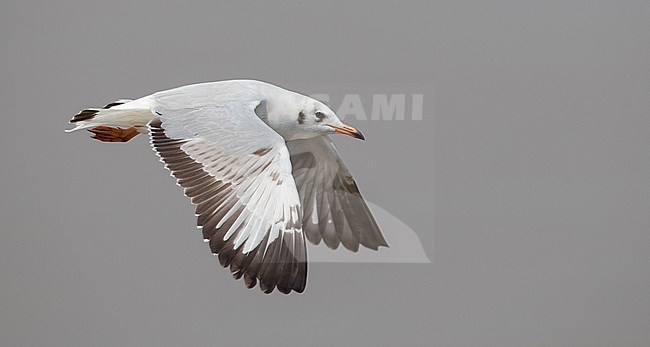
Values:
[(237, 171), (333, 209)]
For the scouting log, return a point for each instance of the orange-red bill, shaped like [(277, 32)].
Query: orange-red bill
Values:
[(348, 130)]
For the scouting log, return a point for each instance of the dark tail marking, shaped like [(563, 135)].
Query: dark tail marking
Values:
[(115, 103), (90, 113), (84, 115)]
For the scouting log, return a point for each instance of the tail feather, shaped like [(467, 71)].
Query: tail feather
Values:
[(121, 113), (85, 115), (117, 103), (90, 113)]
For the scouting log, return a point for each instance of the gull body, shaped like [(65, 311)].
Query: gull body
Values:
[(257, 161)]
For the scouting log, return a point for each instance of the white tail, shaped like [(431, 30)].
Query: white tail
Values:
[(121, 113)]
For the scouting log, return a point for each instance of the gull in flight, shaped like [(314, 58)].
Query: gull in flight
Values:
[(258, 163)]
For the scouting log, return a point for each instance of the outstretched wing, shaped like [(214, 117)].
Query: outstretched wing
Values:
[(237, 171), (333, 209)]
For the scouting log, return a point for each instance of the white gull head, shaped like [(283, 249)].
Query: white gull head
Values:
[(295, 116)]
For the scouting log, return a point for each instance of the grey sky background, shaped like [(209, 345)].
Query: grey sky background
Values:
[(529, 171)]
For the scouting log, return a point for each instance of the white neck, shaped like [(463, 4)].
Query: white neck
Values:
[(282, 115)]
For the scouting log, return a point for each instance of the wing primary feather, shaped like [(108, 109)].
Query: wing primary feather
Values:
[(244, 203), (334, 210)]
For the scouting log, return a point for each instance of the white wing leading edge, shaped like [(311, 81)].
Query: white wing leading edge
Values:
[(237, 171)]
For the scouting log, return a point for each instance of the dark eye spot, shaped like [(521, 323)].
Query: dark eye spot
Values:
[(301, 117), (320, 115)]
